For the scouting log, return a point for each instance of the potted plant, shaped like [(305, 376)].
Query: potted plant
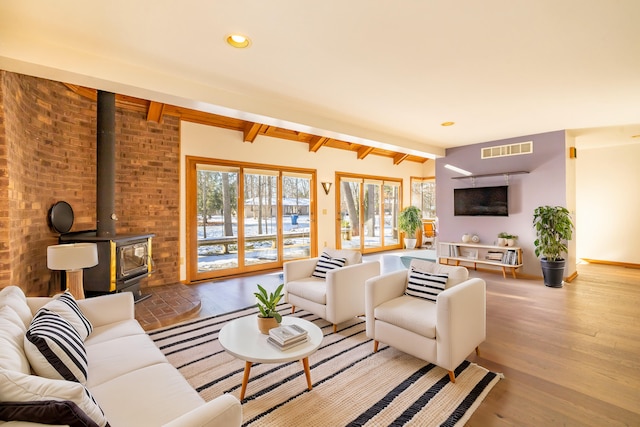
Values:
[(554, 229), (267, 302), (409, 221), (506, 239)]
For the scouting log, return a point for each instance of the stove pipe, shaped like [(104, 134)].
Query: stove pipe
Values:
[(106, 165)]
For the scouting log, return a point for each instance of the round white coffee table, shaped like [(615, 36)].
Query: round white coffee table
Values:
[(242, 339)]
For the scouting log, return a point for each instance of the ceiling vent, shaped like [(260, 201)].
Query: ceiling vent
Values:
[(508, 150)]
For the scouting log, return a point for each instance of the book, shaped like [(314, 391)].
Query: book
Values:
[(285, 334), (301, 340)]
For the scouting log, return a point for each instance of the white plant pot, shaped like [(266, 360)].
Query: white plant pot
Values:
[(502, 241), (511, 242), (410, 243)]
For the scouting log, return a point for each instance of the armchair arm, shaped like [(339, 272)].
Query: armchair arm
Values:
[(296, 270), (380, 289), (223, 411), (107, 309), (345, 290), (461, 321)]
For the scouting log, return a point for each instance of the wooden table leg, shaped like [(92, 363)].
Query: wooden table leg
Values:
[(245, 379), (307, 372)]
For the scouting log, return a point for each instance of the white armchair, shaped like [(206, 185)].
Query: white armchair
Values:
[(337, 298), (443, 333)]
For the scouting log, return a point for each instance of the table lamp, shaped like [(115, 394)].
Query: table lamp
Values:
[(73, 258)]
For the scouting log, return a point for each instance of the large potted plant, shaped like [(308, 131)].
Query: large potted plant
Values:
[(554, 229), (268, 317), (409, 221)]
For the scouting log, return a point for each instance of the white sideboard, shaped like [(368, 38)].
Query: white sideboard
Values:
[(498, 256)]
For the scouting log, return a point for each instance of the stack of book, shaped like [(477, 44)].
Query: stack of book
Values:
[(494, 256), (287, 336)]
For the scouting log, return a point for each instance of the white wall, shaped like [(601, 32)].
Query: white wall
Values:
[(216, 143), (608, 203)]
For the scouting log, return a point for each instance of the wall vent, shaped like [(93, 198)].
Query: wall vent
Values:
[(508, 150)]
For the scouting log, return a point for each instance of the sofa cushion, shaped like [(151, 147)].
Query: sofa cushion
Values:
[(66, 306), (15, 298), (123, 328), (111, 359), (413, 314), (19, 387), (150, 396), (423, 284), (327, 263), (311, 289), (63, 412), (54, 348), (12, 332)]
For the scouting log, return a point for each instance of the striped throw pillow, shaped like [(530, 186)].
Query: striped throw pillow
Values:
[(326, 263), (66, 306), (425, 285), (54, 348)]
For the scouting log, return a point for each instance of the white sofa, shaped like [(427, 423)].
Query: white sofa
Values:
[(337, 298), (130, 379), (443, 333)]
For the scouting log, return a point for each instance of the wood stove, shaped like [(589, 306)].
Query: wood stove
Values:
[(123, 261)]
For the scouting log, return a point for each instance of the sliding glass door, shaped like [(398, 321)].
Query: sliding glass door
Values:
[(243, 218), (368, 213)]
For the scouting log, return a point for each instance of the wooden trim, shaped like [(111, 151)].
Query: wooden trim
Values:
[(155, 112)]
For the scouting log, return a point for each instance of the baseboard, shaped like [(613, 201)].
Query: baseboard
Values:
[(614, 263)]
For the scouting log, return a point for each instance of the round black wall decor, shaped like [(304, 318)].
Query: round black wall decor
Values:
[(61, 217)]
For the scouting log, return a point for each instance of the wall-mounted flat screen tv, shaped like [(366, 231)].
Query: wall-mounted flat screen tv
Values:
[(481, 201)]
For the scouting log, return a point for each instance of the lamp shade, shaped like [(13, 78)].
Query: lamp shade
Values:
[(73, 256)]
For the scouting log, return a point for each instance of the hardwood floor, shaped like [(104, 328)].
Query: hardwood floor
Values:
[(570, 356)]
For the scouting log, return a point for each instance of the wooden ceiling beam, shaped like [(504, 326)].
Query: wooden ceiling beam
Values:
[(364, 151), (155, 111), (399, 158), (317, 142), (250, 131)]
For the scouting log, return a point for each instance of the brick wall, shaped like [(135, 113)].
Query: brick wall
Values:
[(50, 140)]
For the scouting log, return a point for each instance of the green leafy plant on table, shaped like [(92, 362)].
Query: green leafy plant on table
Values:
[(267, 302)]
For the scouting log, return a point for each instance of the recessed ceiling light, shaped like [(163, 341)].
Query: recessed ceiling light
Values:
[(238, 40), (447, 123)]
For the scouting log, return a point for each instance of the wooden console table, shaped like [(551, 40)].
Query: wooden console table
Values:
[(497, 256)]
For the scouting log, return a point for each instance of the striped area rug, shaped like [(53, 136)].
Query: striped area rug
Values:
[(352, 386)]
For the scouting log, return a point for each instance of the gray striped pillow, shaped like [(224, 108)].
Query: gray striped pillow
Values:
[(54, 348), (423, 284), (326, 263)]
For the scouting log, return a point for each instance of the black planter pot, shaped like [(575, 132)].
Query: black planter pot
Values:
[(552, 272)]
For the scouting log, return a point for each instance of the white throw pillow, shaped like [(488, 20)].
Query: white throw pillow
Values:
[(19, 387), (12, 332), (14, 297), (423, 284), (326, 263), (66, 306), (54, 348)]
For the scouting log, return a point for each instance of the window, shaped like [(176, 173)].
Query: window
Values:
[(368, 213), (423, 196), (244, 217)]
